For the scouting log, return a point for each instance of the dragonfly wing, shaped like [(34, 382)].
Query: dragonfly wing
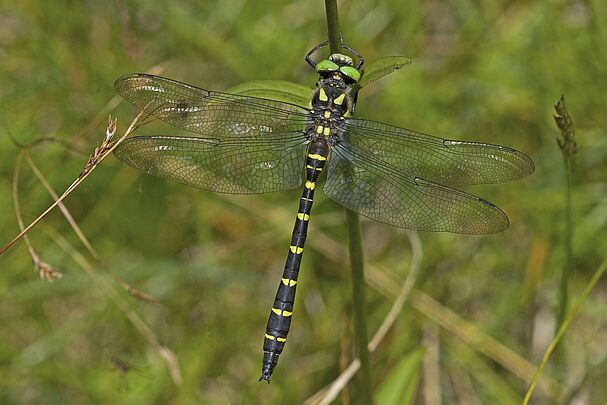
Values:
[(209, 113), (436, 159), (225, 166), (367, 185), (246, 144)]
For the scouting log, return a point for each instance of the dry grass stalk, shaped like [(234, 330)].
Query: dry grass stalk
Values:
[(47, 272)]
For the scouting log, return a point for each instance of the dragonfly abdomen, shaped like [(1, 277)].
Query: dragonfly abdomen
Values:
[(279, 321)]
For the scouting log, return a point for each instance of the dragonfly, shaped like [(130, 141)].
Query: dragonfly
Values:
[(238, 144)]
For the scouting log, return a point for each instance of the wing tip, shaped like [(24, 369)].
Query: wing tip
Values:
[(530, 165), (126, 78)]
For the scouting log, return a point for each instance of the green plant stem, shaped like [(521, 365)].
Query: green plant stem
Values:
[(566, 273), (360, 307), (567, 270), (568, 146), (333, 33), (355, 246)]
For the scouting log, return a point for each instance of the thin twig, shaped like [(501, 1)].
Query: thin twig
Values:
[(45, 270), (96, 158), (135, 292), (62, 207), (562, 329), (432, 389), (401, 299)]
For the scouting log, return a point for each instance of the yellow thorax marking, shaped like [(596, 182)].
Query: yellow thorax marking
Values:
[(310, 185), (296, 249), (316, 156), (319, 129), (340, 99), (303, 217), (327, 114), (322, 96), (289, 282), (270, 337), (327, 131)]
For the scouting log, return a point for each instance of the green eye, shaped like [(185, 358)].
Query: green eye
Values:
[(351, 72), (326, 66)]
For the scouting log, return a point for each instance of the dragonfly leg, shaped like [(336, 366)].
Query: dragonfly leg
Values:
[(312, 51), (361, 60)]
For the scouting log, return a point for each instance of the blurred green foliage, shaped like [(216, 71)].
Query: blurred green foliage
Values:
[(486, 71)]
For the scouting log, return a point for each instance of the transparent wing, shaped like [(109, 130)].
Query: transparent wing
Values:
[(248, 144), (367, 185), (435, 159), (207, 112), (225, 166)]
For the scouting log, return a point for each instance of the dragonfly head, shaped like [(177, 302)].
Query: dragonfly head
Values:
[(341, 65)]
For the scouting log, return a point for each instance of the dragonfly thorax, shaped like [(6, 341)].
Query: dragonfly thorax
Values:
[(332, 98), (331, 103)]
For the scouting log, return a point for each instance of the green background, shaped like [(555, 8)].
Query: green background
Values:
[(488, 73)]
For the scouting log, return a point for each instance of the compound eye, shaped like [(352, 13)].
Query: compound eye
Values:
[(351, 72), (326, 66)]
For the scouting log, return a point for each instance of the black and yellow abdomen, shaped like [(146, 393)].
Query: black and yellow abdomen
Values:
[(282, 309), (330, 104)]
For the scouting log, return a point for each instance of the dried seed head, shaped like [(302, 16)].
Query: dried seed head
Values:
[(566, 141)]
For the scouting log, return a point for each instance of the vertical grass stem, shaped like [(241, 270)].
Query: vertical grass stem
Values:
[(568, 145), (355, 247)]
